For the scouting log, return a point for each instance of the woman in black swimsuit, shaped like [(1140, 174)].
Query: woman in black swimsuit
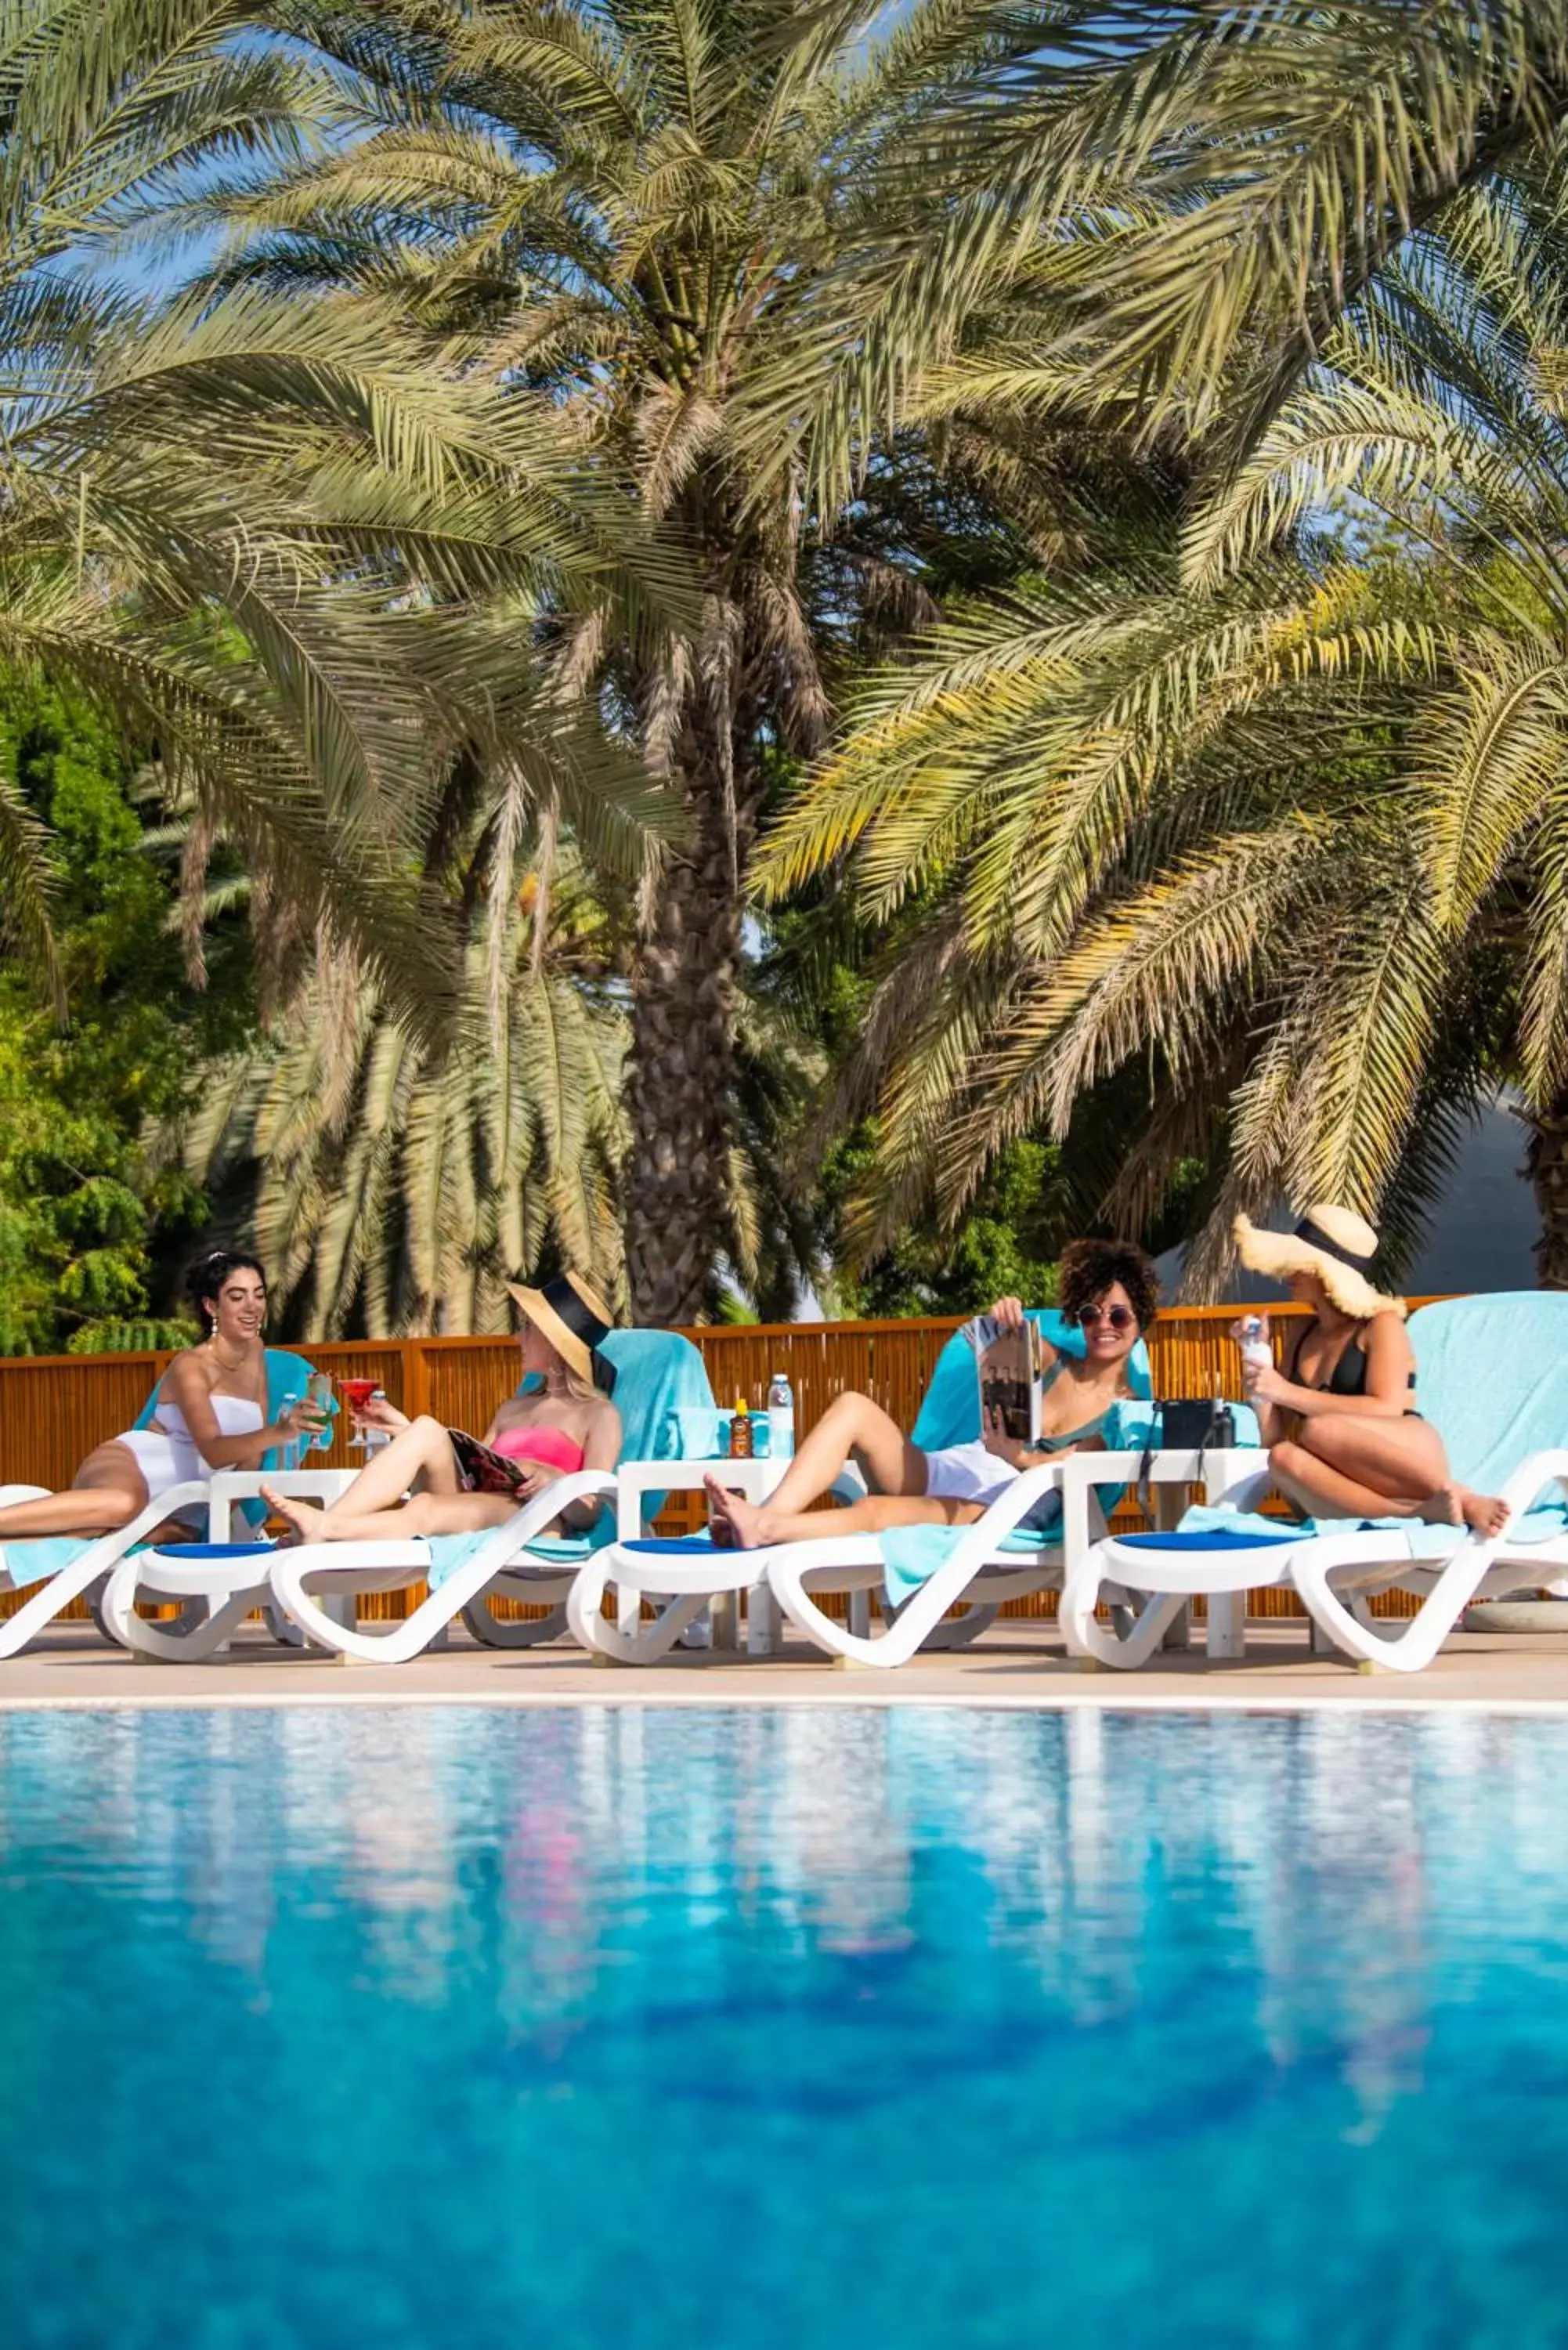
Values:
[(1344, 1435)]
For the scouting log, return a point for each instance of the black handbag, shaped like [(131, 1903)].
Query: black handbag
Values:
[(1183, 1424)]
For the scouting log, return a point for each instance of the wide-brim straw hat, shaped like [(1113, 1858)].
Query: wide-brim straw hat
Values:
[(1332, 1243), (575, 1321)]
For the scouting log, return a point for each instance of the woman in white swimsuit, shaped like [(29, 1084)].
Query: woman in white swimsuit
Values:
[(212, 1414)]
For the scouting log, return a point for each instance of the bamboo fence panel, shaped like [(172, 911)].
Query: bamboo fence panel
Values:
[(55, 1409)]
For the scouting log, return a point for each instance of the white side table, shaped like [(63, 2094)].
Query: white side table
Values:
[(1215, 1472), (228, 1486), (755, 1479)]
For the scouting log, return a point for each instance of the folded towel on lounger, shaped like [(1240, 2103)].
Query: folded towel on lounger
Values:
[(911, 1554), (34, 1561)]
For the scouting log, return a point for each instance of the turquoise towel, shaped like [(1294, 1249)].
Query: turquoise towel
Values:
[(911, 1554), (951, 1412), (661, 1391), (1492, 1378), (36, 1560), (449, 1552)]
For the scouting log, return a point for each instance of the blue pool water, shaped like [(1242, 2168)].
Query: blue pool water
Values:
[(628, 2026)]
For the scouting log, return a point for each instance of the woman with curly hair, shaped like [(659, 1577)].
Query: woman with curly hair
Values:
[(1108, 1288)]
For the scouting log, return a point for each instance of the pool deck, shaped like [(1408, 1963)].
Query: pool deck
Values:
[(1018, 1664)]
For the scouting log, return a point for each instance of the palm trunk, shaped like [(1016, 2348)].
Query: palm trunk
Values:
[(681, 1075), (1546, 1164)]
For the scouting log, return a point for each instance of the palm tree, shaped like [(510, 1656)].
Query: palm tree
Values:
[(257, 531), (622, 202), (1281, 814), (394, 1188)]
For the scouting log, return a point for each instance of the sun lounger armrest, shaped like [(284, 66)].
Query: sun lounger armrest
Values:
[(1522, 1486), (1246, 1492), (1083, 1518), (1024, 1493), (524, 1526)]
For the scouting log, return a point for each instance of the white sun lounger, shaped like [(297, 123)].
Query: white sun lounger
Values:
[(515, 1560), (691, 1575), (661, 1391), (688, 1576), (1494, 1379), (77, 1577), (1334, 1574), (993, 1561)]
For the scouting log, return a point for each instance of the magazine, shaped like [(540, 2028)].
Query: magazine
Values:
[(1010, 1369), (485, 1471)]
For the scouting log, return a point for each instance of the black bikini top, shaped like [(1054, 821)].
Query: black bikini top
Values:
[(1348, 1376)]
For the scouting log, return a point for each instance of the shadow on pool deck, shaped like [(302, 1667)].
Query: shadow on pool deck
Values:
[(1018, 1663)]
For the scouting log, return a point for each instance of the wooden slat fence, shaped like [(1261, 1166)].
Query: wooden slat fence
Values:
[(54, 1409)]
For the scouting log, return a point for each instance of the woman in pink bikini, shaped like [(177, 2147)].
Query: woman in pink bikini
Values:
[(569, 1424)]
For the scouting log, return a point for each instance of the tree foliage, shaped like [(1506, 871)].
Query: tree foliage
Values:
[(89, 1232), (290, 546), (1253, 808)]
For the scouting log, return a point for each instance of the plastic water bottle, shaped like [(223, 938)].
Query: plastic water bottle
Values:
[(781, 1418), (1256, 1351)]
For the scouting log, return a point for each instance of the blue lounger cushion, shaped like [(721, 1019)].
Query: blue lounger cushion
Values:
[(673, 1546), (1249, 1536), (185, 1553)]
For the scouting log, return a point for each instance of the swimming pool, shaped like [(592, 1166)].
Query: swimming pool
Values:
[(624, 2025)]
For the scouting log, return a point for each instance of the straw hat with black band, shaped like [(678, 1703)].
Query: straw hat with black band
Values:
[(1332, 1243), (575, 1321)]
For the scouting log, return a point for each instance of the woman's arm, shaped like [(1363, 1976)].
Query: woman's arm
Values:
[(184, 1386), (1388, 1365)]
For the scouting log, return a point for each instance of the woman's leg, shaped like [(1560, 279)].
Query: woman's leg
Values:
[(1347, 1465), (426, 1514), (420, 1453), (872, 1516), (1403, 1459), (109, 1491), (852, 1427)]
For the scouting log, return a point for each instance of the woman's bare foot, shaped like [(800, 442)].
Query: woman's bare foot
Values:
[(1455, 1505), (304, 1517), (737, 1523)]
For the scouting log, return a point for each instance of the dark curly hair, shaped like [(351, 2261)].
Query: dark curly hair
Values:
[(1089, 1267), (206, 1277)]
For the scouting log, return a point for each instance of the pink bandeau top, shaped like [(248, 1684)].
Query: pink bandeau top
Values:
[(551, 1445)]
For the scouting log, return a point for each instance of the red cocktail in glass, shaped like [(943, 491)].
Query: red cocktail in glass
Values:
[(356, 1394)]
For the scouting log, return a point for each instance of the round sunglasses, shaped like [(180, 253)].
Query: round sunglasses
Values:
[(1119, 1316)]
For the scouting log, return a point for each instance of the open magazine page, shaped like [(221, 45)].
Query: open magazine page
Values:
[(1010, 1367), (487, 1472)]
